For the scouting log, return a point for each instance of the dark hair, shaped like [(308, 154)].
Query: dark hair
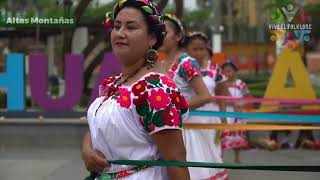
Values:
[(196, 35), (157, 29), (209, 51), (230, 64), (177, 26)]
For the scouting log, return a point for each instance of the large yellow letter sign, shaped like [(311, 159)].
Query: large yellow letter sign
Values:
[(289, 63)]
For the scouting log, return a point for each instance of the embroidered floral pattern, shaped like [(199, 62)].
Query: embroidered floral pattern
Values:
[(158, 99), (207, 73), (171, 116), (140, 87), (124, 98), (173, 70), (108, 80), (215, 72), (185, 67), (179, 101), (242, 86), (239, 85), (141, 99), (155, 98), (121, 174), (189, 69), (169, 82), (153, 80)]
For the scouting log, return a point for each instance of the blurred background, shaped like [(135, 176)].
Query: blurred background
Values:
[(41, 142)]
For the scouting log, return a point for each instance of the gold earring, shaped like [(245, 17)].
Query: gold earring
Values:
[(152, 56)]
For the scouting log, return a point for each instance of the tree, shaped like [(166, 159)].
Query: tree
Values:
[(179, 8), (314, 11), (162, 4)]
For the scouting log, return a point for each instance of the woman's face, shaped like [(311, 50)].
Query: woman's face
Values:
[(230, 73), (197, 48), (171, 40), (130, 38)]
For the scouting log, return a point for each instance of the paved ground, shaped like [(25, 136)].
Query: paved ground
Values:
[(65, 164), (51, 152)]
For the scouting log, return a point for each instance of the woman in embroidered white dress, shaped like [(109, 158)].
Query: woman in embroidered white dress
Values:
[(185, 71), (139, 113), (237, 88), (197, 47)]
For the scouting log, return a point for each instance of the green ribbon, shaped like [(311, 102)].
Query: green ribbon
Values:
[(100, 177), (210, 165), (90, 177), (219, 165)]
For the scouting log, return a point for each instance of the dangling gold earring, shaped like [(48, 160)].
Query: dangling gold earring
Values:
[(151, 57)]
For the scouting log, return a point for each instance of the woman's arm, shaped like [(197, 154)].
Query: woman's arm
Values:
[(202, 96), (93, 160), (171, 147), (222, 90)]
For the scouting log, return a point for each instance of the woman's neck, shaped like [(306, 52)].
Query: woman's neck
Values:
[(232, 80), (203, 63), (129, 69), (173, 55)]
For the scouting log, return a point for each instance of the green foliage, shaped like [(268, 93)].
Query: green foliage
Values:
[(255, 79), (30, 8), (54, 90), (194, 20), (94, 12), (84, 100), (314, 11), (198, 19), (28, 102), (317, 90), (168, 9), (55, 12), (277, 4), (3, 100), (50, 8), (256, 84)]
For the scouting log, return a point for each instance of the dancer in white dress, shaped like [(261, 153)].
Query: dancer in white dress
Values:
[(235, 139), (186, 73), (209, 140), (139, 113)]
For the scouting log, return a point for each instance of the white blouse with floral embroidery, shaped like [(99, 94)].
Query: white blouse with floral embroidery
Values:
[(123, 119), (182, 71)]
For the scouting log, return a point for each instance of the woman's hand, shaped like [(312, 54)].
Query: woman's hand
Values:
[(94, 160)]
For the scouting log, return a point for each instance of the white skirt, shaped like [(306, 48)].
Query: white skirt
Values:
[(201, 147)]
